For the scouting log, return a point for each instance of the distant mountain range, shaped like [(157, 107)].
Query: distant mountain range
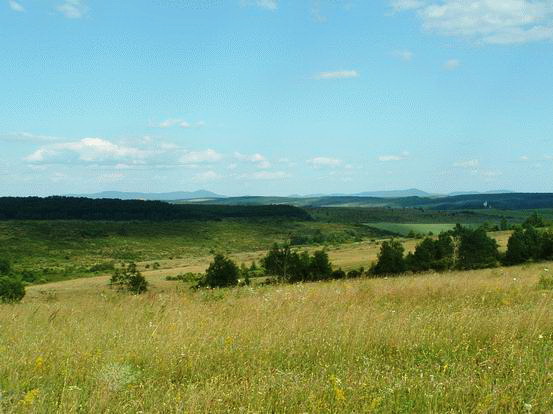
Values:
[(507, 201), (176, 195), (209, 196)]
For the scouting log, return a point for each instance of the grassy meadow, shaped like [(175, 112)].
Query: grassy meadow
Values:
[(478, 341), (62, 250), (475, 341), (417, 228)]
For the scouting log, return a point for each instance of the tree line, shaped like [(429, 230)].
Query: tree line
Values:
[(81, 208)]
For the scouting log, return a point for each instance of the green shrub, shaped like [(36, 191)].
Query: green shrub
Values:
[(534, 220), (222, 272), (390, 259), (338, 274), (130, 279), (29, 277), (476, 250), (5, 266), (432, 254), (12, 290), (186, 277), (102, 267)]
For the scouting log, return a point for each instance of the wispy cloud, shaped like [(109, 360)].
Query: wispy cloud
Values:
[(485, 21), (259, 160), (171, 122), (394, 157), (264, 4), (266, 175), (16, 6), (73, 9), (467, 164), (195, 157), (340, 74), (324, 162), (405, 55), (452, 64)]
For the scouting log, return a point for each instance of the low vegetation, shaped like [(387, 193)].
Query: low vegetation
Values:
[(475, 341), (128, 278)]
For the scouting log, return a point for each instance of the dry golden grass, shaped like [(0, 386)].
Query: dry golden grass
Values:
[(476, 341)]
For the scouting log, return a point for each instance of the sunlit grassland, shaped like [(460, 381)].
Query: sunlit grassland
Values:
[(417, 228), (60, 250), (477, 341)]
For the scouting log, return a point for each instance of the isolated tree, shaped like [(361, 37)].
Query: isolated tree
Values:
[(129, 278), (476, 250), (11, 289), (222, 272), (390, 259)]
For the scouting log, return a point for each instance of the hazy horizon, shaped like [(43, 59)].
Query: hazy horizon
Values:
[(275, 97)]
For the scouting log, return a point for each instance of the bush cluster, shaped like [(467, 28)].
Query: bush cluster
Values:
[(526, 243), (292, 266), (128, 278), (462, 248)]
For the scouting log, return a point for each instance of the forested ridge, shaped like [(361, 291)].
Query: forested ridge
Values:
[(80, 208)]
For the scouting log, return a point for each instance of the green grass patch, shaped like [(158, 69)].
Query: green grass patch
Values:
[(404, 229)]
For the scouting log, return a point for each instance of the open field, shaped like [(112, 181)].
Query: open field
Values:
[(61, 250), (458, 342)]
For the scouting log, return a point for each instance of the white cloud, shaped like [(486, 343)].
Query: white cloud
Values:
[(467, 164), (259, 160), (324, 162), (87, 150), (73, 9), (452, 64), (15, 6), (171, 122), (267, 175), (340, 74), (195, 157), (394, 157), (524, 158), (207, 176), (405, 55), (486, 21)]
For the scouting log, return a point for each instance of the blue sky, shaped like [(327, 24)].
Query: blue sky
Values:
[(275, 97)]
